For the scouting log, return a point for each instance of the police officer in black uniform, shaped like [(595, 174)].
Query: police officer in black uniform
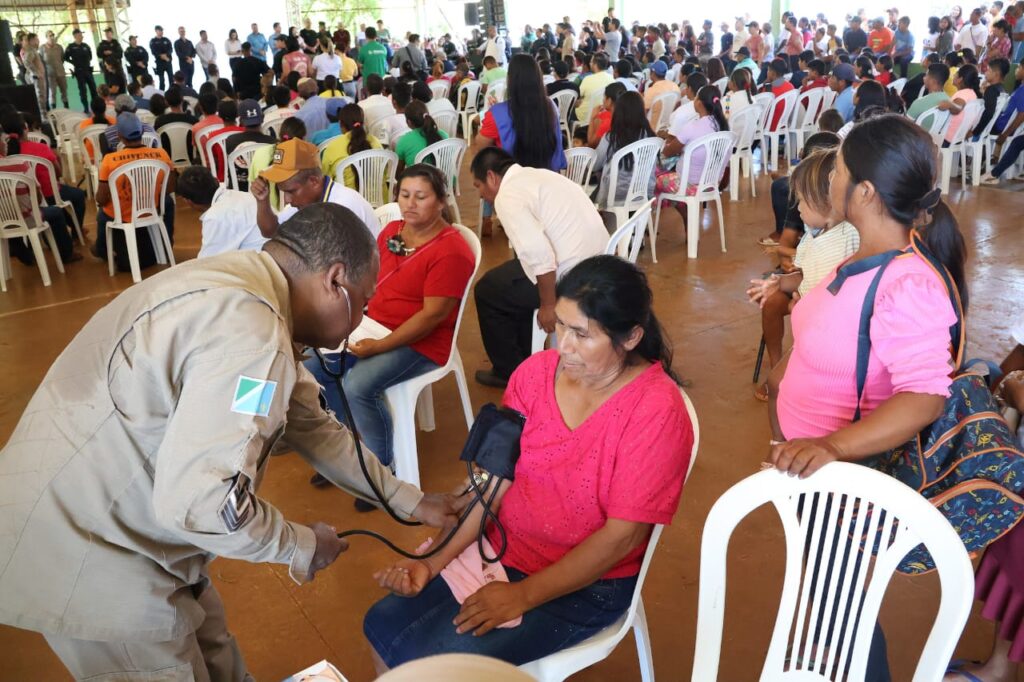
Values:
[(186, 52), (109, 53), (161, 49), (79, 55), (137, 58)]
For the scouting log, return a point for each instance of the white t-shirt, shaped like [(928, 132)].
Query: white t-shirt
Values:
[(437, 106), (327, 65), (233, 47), (396, 126), (686, 113), (376, 107), (343, 196), (230, 224)]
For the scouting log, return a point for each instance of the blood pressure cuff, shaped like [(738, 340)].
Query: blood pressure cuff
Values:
[(493, 442)]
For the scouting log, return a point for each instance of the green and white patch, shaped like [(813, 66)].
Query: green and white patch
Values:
[(253, 396)]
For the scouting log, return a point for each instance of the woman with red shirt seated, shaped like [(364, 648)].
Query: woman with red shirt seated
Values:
[(604, 452), (425, 267)]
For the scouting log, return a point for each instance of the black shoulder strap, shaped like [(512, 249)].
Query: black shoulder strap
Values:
[(864, 330)]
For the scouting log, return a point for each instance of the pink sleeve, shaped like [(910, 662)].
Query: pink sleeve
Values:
[(651, 459), (527, 383), (910, 334)]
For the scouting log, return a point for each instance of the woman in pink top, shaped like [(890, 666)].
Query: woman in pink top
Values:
[(968, 87), (604, 453), (884, 184)]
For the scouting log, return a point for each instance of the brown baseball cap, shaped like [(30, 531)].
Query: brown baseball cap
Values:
[(290, 157)]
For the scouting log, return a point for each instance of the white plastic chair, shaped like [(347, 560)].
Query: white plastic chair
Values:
[(388, 213), (213, 143), (448, 121), (953, 156), (804, 119), (146, 116), (239, 160), (548, 79), (661, 110), (468, 102), (272, 128), (717, 150), (497, 90), (897, 85), (828, 99), (15, 225), (937, 120), (379, 130), (178, 136), (772, 141), (561, 664), (67, 125), (744, 127), (63, 204), (192, 103), (448, 156), (206, 132), (151, 140), (375, 174), (645, 155), (579, 164), (852, 501), (91, 159), (565, 100), (722, 84), (322, 147), (440, 89), (36, 136), (626, 240), (403, 397), (147, 184), (980, 150)]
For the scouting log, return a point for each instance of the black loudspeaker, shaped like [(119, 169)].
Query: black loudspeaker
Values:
[(23, 97), (6, 39), (472, 14), (6, 49)]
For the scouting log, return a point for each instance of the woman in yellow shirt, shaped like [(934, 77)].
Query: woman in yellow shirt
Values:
[(354, 138)]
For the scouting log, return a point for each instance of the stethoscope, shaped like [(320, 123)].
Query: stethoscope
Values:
[(478, 481)]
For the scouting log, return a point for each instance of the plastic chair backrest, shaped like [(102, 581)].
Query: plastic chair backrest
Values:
[(151, 140), (971, 115), (474, 246), (211, 158), (145, 116), (1000, 105), (471, 91), (579, 164), (898, 85), (34, 161), (820, 514), (35, 136), (828, 99), (68, 123), (497, 90), (12, 206), (717, 150), (240, 158), (440, 89), (448, 155), (448, 121), (213, 127), (565, 100), (272, 127), (379, 130), (645, 156), (807, 110), (744, 127), (787, 101), (177, 141), (626, 240), (388, 213), (375, 174), (93, 134), (938, 122), (320, 148), (722, 84), (765, 103), (147, 183), (661, 110)]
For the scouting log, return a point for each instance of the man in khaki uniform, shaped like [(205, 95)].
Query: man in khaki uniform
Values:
[(53, 59), (138, 458), (35, 70)]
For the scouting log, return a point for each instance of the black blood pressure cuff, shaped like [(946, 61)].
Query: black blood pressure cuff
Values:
[(493, 442)]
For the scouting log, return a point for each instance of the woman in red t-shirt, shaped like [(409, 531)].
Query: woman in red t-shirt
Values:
[(604, 452), (425, 266)]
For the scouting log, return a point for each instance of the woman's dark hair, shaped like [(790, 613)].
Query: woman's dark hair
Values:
[(968, 73), (98, 107), (292, 129), (532, 113), (407, 71), (695, 82), (281, 95), (1003, 25), (885, 61), (830, 121), (490, 159), (629, 124), (711, 100), (434, 177), (330, 83), (224, 85), (866, 68), (1001, 65), (157, 104), (743, 81), (292, 81), (291, 44), (715, 69), (421, 92), (615, 294), (419, 118), (351, 119), (871, 99), (13, 125), (953, 59), (613, 91), (933, 25), (897, 157)]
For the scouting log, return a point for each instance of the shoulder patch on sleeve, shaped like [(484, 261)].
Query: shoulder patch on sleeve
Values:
[(253, 396)]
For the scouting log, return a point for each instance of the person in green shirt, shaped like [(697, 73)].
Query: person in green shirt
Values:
[(492, 72), (373, 57), (423, 132), (934, 82)]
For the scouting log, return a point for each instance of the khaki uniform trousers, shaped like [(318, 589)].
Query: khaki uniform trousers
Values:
[(210, 654)]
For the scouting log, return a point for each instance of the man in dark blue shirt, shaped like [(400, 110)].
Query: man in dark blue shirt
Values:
[(186, 52), (161, 49), (79, 55)]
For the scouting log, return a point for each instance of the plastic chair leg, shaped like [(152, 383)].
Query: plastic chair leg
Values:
[(456, 213), (5, 265), (692, 227), (110, 250), (132, 247), (166, 239), (734, 180), (721, 222), (976, 166), (403, 408), (425, 410), (643, 643), (753, 177), (463, 385), (652, 229), (37, 250), (538, 338), (946, 169), (52, 241)]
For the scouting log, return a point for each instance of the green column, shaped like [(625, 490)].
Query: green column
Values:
[(778, 7)]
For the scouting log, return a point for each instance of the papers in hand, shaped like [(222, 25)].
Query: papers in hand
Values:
[(367, 329), (318, 672)]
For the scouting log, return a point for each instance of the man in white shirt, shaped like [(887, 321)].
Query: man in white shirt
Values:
[(376, 106), (206, 50), (300, 182), (552, 225), (495, 46), (973, 35), (229, 216)]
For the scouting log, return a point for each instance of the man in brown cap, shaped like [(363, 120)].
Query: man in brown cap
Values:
[(300, 182)]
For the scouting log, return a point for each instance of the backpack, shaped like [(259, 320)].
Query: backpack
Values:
[(966, 462)]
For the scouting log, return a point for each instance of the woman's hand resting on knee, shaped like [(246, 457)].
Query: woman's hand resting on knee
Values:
[(406, 578)]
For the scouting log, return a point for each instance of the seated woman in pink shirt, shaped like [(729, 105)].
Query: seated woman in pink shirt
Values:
[(884, 184), (968, 87), (604, 453)]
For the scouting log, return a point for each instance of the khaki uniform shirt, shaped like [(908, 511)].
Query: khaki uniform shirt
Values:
[(53, 58), (137, 460), (34, 64)]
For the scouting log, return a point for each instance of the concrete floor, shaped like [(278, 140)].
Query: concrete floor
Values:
[(283, 628)]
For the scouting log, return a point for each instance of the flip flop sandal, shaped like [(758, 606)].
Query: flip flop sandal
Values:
[(954, 668)]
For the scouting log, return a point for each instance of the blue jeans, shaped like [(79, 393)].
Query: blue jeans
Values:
[(365, 382), (1009, 156), (401, 629)]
